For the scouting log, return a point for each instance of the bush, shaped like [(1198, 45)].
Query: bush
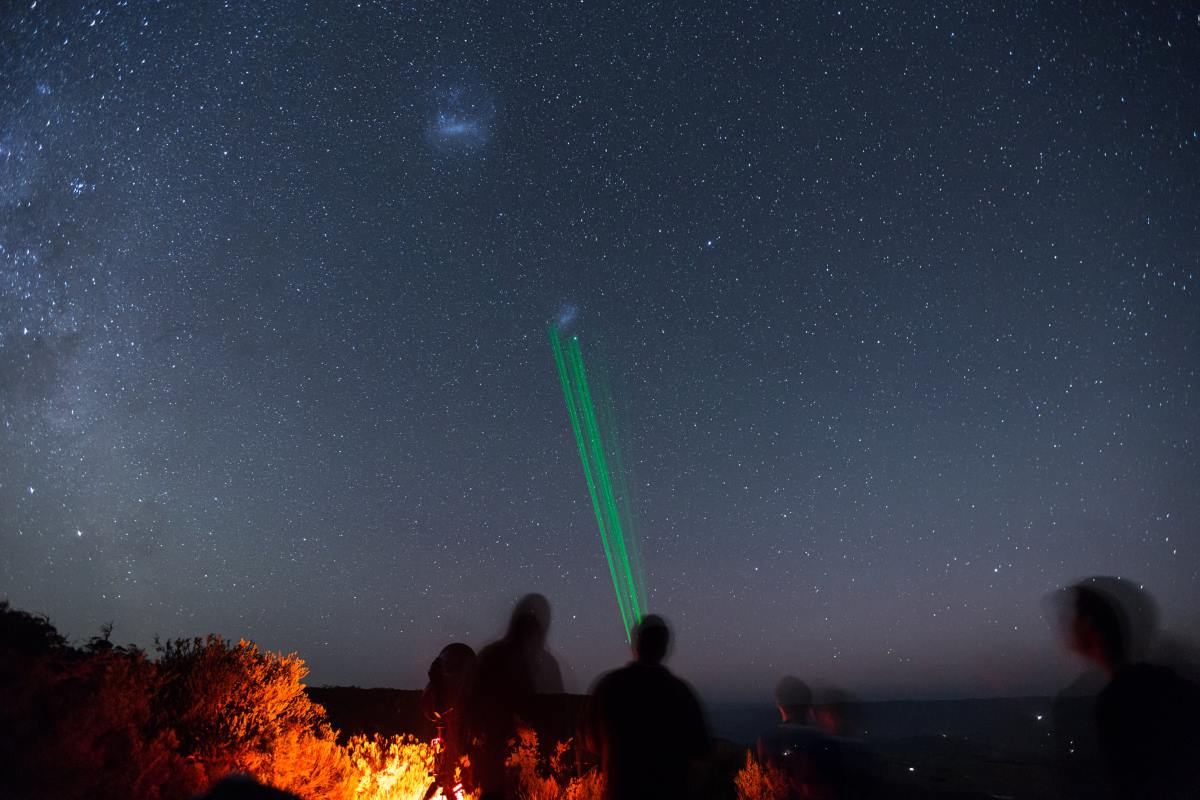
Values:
[(390, 767), (553, 778), (80, 722), (761, 782), (235, 708), (101, 722)]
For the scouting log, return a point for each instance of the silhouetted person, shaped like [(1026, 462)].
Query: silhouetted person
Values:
[(647, 724), (451, 679), (836, 712), (850, 770), (511, 672), (1146, 716), (793, 733), (812, 745)]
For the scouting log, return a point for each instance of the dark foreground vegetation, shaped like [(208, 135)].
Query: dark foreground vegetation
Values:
[(101, 721)]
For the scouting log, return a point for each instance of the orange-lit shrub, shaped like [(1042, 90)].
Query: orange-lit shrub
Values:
[(553, 778), (235, 708), (390, 768), (761, 782), (103, 722)]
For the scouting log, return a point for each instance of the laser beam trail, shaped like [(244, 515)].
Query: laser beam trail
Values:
[(595, 437)]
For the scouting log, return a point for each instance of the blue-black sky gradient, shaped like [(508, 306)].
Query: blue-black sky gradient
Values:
[(899, 303)]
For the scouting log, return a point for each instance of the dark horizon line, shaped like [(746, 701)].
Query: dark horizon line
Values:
[(863, 700)]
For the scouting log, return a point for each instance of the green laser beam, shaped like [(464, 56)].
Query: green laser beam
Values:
[(595, 438), (625, 498), (573, 413), (606, 490), (595, 447)]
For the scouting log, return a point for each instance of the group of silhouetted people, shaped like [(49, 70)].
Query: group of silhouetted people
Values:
[(646, 728), (645, 725), (649, 734)]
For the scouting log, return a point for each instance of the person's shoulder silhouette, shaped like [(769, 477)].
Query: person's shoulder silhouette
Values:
[(1146, 722), (646, 723)]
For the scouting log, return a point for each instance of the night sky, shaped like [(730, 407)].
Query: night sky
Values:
[(899, 306)]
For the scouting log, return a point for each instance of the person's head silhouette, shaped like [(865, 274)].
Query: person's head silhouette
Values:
[(651, 640), (450, 678), (1110, 621), (530, 622), (1096, 629), (793, 699)]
